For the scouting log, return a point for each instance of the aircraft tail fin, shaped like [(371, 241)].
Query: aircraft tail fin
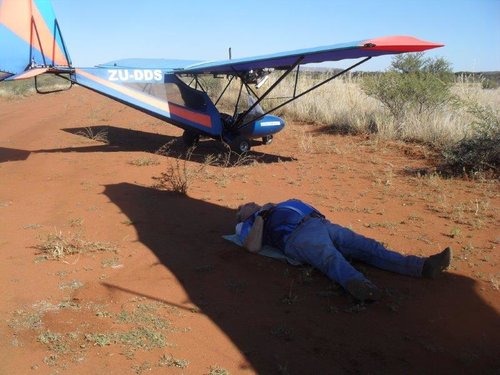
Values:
[(31, 42)]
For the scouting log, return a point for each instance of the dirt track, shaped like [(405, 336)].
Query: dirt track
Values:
[(205, 300)]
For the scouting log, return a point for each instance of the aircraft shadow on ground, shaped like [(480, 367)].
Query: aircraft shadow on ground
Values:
[(285, 321), (116, 139), (12, 154)]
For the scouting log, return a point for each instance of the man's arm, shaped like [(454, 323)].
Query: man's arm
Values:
[(253, 242)]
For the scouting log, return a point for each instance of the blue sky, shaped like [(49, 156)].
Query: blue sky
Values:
[(98, 31)]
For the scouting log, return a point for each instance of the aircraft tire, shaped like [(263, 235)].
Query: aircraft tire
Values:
[(190, 138), (241, 145), (267, 140)]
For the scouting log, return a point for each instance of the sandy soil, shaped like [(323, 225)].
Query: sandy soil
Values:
[(166, 294)]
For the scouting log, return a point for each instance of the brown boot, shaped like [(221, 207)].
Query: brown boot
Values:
[(436, 264), (363, 290)]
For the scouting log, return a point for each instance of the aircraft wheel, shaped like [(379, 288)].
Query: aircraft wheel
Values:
[(190, 138), (267, 140), (240, 145)]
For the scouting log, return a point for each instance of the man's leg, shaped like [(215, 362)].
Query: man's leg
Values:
[(356, 246), (310, 243)]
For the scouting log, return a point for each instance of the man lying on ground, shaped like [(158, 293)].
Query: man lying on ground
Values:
[(302, 233)]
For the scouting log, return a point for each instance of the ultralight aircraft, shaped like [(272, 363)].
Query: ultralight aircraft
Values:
[(31, 44)]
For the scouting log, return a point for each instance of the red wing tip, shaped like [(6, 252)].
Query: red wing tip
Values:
[(403, 43)]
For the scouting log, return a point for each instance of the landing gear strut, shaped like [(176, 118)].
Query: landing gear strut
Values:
[(190, 138)]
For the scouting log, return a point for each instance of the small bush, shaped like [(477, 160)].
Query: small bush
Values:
[(480, 151), (179, 174)]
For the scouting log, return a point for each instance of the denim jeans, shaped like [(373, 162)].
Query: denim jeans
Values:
[(326, 246)]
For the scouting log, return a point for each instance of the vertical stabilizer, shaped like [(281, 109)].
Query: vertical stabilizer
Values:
[(30, 38)]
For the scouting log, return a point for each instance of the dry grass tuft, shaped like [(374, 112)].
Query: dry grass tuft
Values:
[(229, 159), (144, 162), (57, 246), (100, 135), (170, 361)]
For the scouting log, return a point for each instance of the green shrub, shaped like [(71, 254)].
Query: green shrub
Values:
[(480, 151), (412, 84)]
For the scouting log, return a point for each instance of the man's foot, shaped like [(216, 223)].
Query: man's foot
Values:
[(363, 290), (436, 264)]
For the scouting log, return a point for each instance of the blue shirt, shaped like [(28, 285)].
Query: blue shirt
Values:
[(279, 224)]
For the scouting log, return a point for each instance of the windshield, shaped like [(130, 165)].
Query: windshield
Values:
[(173, 90), (257, 110)]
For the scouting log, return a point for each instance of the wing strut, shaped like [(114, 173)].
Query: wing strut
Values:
[(58, 29), (295, 97), (35, 29), (223, 91), (268, 91), (296, 81)]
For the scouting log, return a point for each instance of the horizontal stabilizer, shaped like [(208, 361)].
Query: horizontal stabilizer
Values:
[(28, 74), (34, 72)]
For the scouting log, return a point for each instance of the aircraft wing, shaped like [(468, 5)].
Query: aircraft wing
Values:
[(284, 60), (166, 65)]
